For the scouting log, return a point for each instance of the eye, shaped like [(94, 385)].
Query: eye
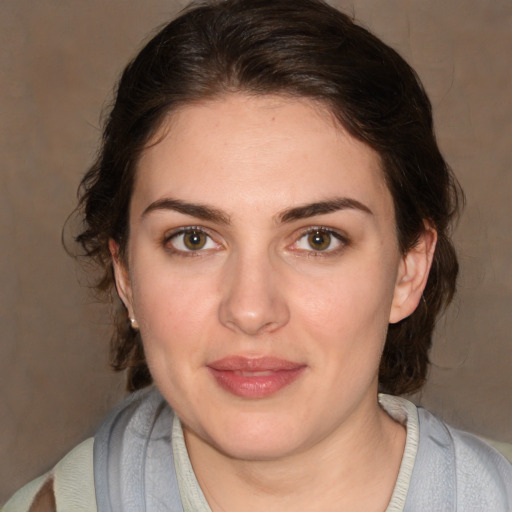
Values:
[(320, 240), (191, 240)]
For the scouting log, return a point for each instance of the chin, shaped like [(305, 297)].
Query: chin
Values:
[(257, 438), (258, 450)]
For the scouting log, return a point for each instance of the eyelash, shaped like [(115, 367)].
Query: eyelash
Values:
[(343, 242), (334, 235), (169, 237)]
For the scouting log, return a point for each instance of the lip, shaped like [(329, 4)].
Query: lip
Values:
[(254, 377)]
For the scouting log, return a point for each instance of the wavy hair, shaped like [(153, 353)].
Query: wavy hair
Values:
[(298, 48)]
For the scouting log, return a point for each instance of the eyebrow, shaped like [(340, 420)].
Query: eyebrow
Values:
[(212, 214), (200, 211), (321, 208)]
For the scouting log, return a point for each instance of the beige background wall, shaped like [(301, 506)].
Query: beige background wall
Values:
[(58, 61)]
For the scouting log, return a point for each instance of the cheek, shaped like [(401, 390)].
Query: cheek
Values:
[(174, 327), (347, 302), (172, 309)]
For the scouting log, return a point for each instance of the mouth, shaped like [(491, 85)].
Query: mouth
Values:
[(257, 377)]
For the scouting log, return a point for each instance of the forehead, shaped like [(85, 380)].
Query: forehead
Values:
[(268, 150)]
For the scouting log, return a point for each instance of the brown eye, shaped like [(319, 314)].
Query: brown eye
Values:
[(194, 240), (319, 240), (190, 240)]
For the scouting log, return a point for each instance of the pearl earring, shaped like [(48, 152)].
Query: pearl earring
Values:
[(133, 324)]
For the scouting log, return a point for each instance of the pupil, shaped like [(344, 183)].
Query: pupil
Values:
[(194, 239)]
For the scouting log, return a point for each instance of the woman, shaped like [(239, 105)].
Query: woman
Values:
[(272, 208)]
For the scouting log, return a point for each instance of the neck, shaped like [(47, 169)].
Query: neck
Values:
[(354, 468)]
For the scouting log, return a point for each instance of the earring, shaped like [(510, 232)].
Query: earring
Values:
[(133, 324)]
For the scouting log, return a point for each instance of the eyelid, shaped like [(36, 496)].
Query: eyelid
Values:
[(185, 229)]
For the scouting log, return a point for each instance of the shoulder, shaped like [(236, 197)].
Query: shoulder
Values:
[(467, 469), (77, 479), (72, 480), (480, 467)]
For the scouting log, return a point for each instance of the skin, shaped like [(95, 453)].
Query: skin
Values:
[(258, 288)]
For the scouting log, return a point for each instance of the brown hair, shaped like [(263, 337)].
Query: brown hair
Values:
[(298, 48)]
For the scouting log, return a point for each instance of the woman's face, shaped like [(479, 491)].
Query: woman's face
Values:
[(263, 270)]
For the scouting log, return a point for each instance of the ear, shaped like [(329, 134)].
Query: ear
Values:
[(122, 277), (412, 276)]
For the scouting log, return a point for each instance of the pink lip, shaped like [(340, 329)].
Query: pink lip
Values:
[(254, 377)]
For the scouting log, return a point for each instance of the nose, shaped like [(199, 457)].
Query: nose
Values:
[(253, 301)]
